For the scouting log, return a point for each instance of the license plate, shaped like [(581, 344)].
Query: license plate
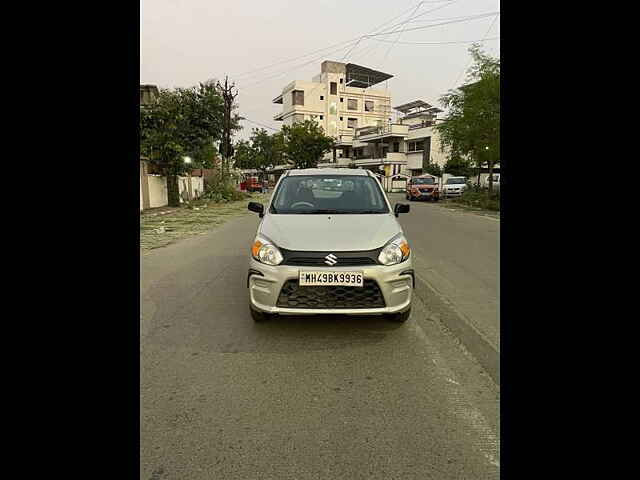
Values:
[(342, 278)]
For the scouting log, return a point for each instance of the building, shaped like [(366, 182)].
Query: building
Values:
[(340, 99), (397, 150), (360, 118)]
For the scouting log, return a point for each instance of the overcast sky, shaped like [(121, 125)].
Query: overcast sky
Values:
[(184, 42)]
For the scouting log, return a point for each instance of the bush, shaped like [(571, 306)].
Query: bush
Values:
[(480, 198), (222, 190)]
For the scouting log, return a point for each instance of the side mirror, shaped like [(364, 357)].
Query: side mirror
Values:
[(256, 207), (401, 208)]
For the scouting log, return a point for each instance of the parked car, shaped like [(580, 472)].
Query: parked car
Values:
[(254, 185), (423, 187), (454, 186), (321, 248)]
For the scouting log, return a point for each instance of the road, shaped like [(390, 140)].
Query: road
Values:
[(304, 398), (458, 253)]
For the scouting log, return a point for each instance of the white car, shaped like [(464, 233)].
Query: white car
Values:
[(454, 186), (329, 242)]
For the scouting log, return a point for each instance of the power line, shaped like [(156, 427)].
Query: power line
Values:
[(400, 34), (435, 43), (353, 43), (260, 124), (322, 49), (475, 17), (471, 61)]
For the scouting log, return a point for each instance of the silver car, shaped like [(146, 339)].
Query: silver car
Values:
[(329, 243), (454, 186)]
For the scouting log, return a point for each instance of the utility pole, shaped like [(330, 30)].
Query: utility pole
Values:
[(228, 96)]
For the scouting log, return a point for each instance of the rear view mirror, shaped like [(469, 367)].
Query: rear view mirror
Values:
[(256, 207), (401, 208)]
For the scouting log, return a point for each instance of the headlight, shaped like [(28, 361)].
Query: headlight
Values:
[(396, 251), (265, 252)]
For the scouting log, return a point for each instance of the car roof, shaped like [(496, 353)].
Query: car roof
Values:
[(329, 171)]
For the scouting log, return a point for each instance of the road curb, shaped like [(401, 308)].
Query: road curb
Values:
[(472, 340)]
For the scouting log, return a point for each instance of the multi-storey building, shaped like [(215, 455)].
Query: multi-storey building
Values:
[(360, 118), (395, 151), (340, 99)]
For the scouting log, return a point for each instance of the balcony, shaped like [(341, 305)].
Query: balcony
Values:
[(367, 134), (391, 157)]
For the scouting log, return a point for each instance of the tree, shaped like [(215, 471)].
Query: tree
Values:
[(458, 166), (434, 169), (244, 156), (471, 128), (305, 143), (182, 122)]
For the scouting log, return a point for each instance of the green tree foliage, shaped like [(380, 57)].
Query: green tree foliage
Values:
[(434, 169), (305, 143), (261, 152), (182, 122), (458, 167), (471, 128)]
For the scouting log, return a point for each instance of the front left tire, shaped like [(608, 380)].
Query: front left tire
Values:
[(399, 317), (259, 317)]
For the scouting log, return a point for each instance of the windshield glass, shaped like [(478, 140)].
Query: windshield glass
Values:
[(338, 194), (455, 181), (424, 181)]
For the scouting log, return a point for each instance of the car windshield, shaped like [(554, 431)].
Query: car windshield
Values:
[(424, 181), (336, 194), (455, 181)]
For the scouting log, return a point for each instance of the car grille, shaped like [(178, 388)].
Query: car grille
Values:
[(317, 259), (293, 295)]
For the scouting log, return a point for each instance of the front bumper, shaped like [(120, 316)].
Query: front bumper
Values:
[(396, 284), (420, 194), (453, 194)]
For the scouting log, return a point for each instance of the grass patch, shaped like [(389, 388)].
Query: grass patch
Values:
[(480, 200), (159, 230)]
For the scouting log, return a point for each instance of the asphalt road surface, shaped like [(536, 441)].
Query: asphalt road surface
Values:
[(304, 397), (458, 253)]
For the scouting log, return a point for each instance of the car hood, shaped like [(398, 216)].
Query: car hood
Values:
[(455, 185), (328, 232)]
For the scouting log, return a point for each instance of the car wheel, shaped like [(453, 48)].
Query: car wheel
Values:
[(399, 317), (259, 317), (407, 196)]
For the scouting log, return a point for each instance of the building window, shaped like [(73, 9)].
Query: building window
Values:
[(341, 118), (368, 105), (396, 146), (416, 146), (352, 104), (352, 122), (334, 88), (341, 80), (298, 97), (321, 117), (341, 100), (321, 97)]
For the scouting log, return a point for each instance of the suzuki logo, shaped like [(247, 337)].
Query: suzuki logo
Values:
[(331, 259)]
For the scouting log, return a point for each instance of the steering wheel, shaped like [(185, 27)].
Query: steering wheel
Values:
[(306, 204)]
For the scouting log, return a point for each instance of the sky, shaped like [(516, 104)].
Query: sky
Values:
[(263, 45)]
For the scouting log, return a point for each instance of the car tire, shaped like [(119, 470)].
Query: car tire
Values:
[(407, 196), (399, 317), (259, 317)]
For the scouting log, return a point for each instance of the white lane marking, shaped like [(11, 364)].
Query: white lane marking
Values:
[(487, 443)]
